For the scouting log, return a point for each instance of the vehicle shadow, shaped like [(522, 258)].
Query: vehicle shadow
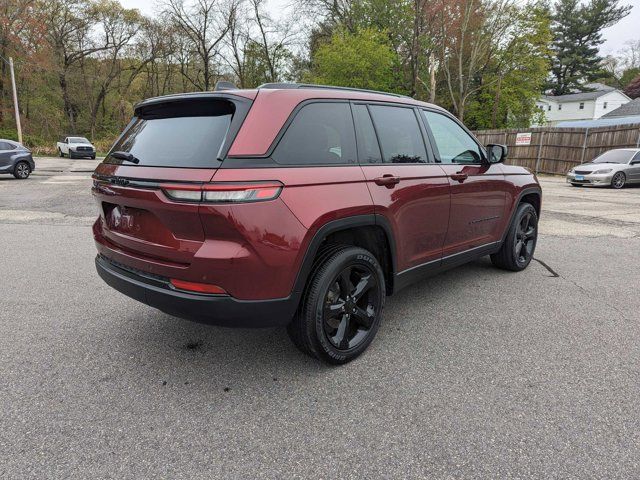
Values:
[(221, 357)]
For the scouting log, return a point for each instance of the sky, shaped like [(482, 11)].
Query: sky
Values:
[(626, 30)]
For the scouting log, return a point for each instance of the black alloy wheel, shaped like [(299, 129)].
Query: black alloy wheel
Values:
[(519, 245), (341, 309), (525, 238), (350, 307)]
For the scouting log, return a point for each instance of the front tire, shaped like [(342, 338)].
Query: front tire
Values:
[(520, 244), (22, 170), (341, 309), (618, 181)]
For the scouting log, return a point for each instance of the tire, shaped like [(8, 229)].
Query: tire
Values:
[(618, 181), (520, 243), (341, 309), (93, 157), (71, 155), (22, 170), (576, 185), (60, 153)]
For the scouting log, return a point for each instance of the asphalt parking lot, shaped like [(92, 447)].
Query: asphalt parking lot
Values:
[(476, 373)]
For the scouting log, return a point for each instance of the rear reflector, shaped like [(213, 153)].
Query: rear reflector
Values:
[(223, 192), (197, 287)]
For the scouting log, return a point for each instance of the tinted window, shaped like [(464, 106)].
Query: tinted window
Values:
[(177, 135), (453, 144), (6, 146), (399, 133), (320, 133), (368, 148)]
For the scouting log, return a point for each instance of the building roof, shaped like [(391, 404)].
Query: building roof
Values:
[(599, 122), (576, 97), (627, 110)]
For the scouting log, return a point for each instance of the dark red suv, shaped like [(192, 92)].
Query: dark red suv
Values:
[(302, 206)]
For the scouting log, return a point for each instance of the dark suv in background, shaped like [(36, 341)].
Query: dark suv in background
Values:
[(302, 206)]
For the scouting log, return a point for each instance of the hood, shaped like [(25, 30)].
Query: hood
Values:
[(592, 167), (81, 143)]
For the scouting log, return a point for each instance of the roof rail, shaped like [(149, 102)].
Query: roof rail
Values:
[(325, 87)]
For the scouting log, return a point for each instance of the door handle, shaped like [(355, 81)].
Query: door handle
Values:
[(387, 180), (460, 177)]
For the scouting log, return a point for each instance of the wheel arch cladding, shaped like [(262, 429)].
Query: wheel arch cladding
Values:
[(532, 197), (370, 232)]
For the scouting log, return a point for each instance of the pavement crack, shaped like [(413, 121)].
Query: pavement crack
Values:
[(553, 273)]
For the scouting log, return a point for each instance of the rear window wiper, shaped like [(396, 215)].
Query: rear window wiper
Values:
[(126, 156)]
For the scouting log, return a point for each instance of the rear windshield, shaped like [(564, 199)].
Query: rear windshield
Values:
[(176, 135)]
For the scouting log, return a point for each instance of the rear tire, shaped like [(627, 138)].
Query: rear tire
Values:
[(60, 153), (93, 157), (341, 309), (22, 170), (519, 246)]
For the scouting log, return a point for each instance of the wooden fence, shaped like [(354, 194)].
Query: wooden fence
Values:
[(556, 150)]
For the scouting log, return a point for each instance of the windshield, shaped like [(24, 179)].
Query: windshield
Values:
[(78, 140), (176, 136), (614, 156)]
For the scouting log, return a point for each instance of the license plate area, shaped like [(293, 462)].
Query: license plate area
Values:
[(137, 223), (580, 178)]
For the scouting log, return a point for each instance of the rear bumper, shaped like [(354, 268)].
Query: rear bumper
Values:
[(221, 310)]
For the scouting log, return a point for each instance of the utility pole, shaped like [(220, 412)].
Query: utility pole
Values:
[(15, 100)]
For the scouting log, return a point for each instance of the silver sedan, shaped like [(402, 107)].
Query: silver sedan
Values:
[(614, 168)]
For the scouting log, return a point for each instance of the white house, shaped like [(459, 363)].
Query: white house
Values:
[(581, 106)]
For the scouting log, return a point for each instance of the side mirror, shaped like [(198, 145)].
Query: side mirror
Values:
[(497, 153)]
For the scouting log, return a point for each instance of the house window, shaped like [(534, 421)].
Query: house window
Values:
[(604, 105), (559, 106), (549, 108), (581, 105)]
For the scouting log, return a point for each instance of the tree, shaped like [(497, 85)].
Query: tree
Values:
[(205, 24), (513, 79), (633, 89), (470, 32), (362, 60), (577, 35)]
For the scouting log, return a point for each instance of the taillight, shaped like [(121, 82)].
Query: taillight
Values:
[(223, 192)]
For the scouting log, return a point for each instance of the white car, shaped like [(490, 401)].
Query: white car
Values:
[(614, 168), (76, 147)]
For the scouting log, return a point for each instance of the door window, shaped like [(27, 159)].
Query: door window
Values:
[(368, 147), (399, 133), (6, 146), (321, 133), (453, 144)]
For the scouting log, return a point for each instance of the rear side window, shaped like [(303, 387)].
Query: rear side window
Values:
[(399, 133), (320, 134), (368, 148), (187, 134), (453, 144), (6, 146)]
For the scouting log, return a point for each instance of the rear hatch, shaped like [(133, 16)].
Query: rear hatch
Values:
[(171, 142)]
